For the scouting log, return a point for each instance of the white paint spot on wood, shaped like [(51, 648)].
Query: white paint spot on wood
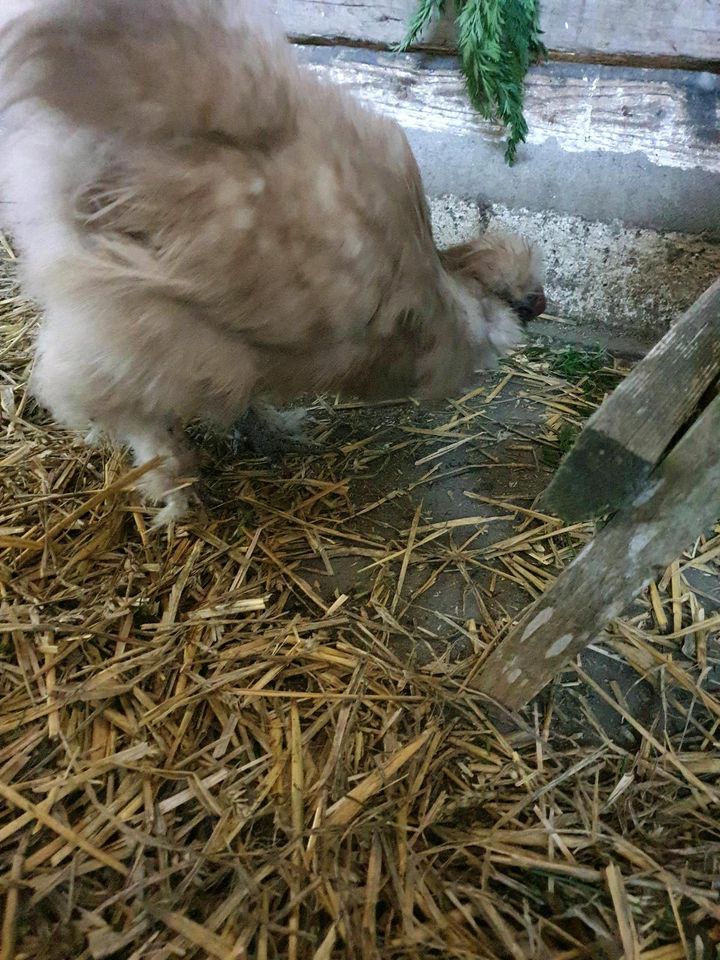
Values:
[(585, 551), (537, 621), (560, 646), (613, 610), (643, 535), (648, 493), (514, 674)]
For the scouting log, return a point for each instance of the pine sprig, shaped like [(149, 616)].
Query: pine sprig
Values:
[(497, 42)]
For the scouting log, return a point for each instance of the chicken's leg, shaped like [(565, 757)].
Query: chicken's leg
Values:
[(272, 433)]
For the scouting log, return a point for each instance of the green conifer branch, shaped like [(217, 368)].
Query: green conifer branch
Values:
[(497, 42)]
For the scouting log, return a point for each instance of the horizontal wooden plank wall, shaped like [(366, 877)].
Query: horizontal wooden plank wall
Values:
[(679, 31), (586, 109), (642, 146), (607, 139)]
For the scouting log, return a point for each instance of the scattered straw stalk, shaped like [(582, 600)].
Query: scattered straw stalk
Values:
[(205, 750)]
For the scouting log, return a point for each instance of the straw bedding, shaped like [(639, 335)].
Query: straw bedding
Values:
[(204, 754)]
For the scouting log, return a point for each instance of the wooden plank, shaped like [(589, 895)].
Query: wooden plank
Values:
[(680, 500), (595, 134), (675, 30), (625, 439), (666, 117)]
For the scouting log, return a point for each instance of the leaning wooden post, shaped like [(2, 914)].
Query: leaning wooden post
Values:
[(627, 437), (678, 502)]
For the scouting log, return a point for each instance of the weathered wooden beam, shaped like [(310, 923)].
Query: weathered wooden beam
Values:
[(625, 439), (595, 133), (583, 109), (679, 501), (678, 31)]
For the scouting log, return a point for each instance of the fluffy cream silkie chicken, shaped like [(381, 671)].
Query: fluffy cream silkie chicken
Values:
[(208, 226)]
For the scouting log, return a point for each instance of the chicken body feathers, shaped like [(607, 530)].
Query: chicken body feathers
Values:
[(204, 221)]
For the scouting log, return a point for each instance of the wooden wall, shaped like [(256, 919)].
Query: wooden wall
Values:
[(675, 31), (638, 103)]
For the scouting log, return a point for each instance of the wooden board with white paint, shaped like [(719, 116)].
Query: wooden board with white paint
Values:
[(669, 117), (671, 30), (626, 438), (680, 501)]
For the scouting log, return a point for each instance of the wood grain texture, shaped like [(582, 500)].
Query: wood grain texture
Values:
[(673, 29), (625, 439), (681, 499), (669, 118)]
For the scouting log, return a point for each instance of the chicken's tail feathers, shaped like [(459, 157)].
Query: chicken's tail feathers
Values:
[(153, 69)]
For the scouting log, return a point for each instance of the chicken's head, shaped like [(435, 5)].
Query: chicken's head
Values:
[(502, 265)]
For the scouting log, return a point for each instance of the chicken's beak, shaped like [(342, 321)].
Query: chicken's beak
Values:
[(531, 307)]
